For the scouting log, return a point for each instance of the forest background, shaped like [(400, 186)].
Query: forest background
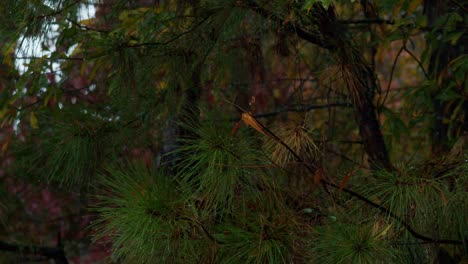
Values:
[(246, 131)]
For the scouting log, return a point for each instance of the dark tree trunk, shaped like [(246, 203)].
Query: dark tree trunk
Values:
[(360, 77), (442, 54), (361, 83), (361, 86)]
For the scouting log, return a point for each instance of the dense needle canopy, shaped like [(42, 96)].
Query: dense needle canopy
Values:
[(233, 131)]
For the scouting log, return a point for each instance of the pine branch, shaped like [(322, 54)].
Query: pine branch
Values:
[(391, 76), (361, 83), (397, 218), (368, 21), (59, 11), (312, 37), (302, 109), (305, 109), (382, 208), (84, 27), (195, 27)]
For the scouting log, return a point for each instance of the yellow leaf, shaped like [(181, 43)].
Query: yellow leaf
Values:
[(384, 232), (4, 148), (6, 143), (88, 22), (162, 85), (8, 55), (3, 113), (250, 121), (413, 6), (33, 120)]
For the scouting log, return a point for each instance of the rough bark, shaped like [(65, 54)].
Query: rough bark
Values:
[(360, 77)]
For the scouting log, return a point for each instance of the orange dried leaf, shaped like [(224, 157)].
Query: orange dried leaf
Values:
[(250, 121)]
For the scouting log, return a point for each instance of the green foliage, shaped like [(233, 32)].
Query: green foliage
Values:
[(308, 4), (67, 153), (145, 217), (351, 243), (219, 169), (454, 219), (297, 134), (418, 196), (259, 240)]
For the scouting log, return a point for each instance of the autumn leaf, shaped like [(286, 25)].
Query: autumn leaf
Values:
[(6, 143), (250, 121), (384, 231), (33, 120)]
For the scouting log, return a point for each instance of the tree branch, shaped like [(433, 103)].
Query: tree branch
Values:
[(362, 198), (196, 26), (394, 216), (58, 12), (306, 109), (368, 21), (289, 25), (360, 80), (391, 77), (84, 27)]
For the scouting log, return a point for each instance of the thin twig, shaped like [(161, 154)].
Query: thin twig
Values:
[(460, 5), (297, 110), (394, 216), (48, 58), (312, 37), (172, 39), (81, 26), (368, 21), (58, 12), (417, 60), (344, 157), (391, 75)]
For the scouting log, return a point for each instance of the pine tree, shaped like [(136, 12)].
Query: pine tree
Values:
[(226, 131)]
